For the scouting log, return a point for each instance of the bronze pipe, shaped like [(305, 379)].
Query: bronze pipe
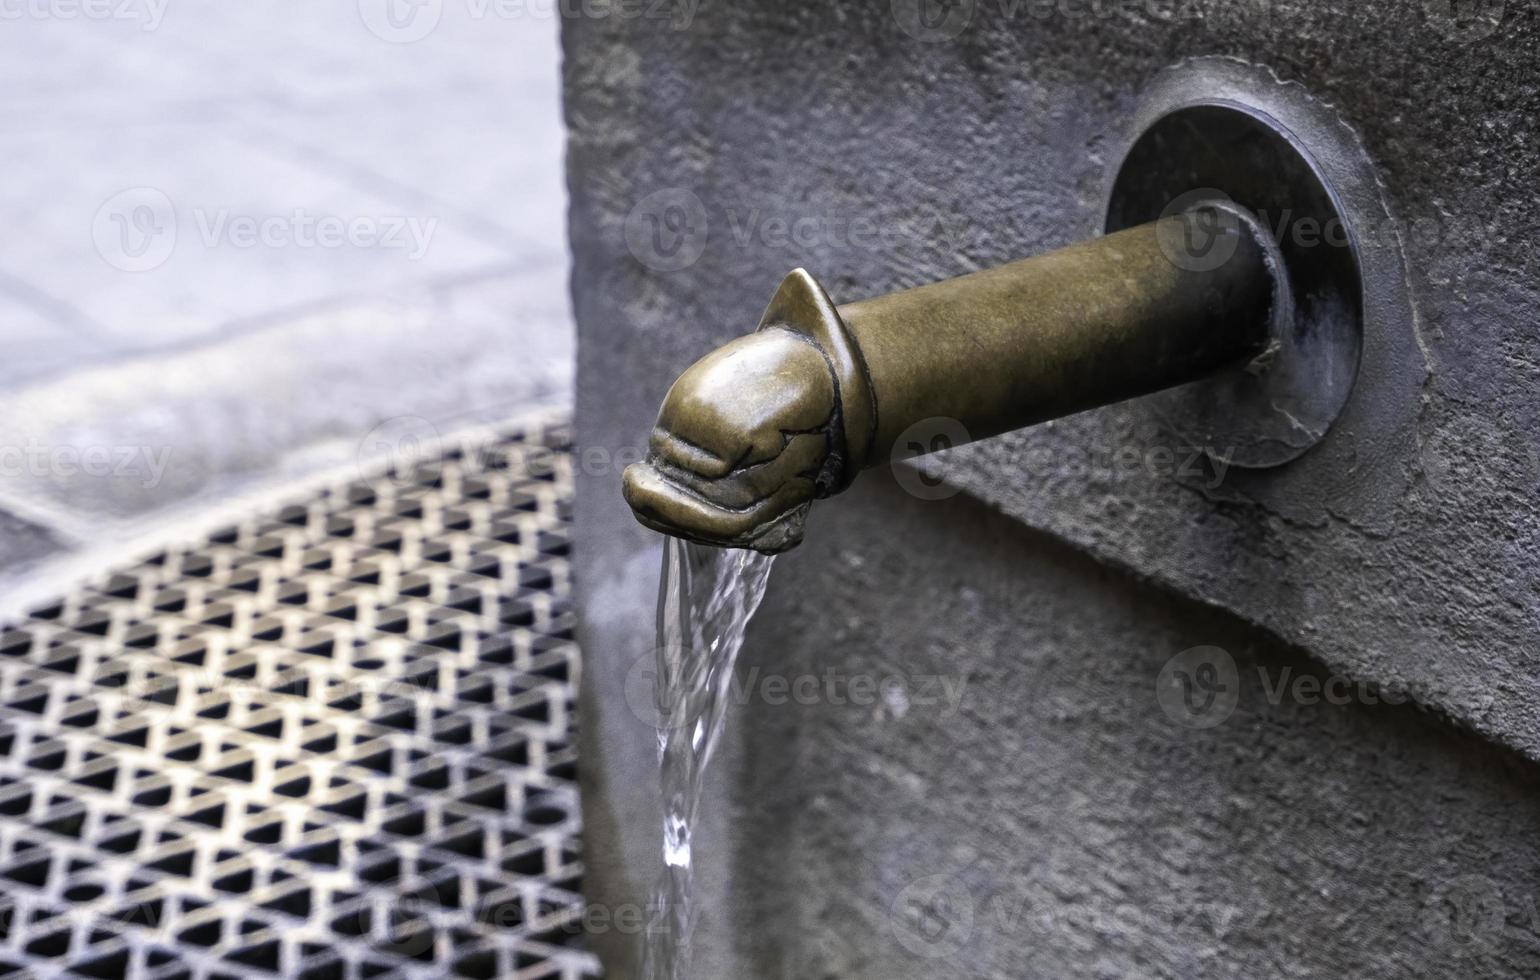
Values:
[(752, 433)]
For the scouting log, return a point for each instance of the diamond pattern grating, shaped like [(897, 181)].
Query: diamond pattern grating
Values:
[(332, 741)]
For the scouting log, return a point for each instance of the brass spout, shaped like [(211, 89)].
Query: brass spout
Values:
[(755, 431)]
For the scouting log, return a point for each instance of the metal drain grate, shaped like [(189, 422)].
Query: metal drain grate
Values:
[(335, 741)]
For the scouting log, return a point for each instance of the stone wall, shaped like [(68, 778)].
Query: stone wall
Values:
[(1085, 825)]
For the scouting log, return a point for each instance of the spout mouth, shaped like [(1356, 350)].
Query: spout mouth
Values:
[(753, 432), (666, 502)]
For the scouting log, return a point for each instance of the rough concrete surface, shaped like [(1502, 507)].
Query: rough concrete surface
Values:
[(709, 154), (1033, 810)]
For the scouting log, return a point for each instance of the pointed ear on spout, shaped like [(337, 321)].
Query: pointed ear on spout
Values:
[(803, 306)]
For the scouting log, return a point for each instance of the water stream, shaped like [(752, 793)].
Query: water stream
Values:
[(705, 599)]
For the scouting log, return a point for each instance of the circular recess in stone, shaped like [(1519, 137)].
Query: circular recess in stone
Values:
[(1271, 410)]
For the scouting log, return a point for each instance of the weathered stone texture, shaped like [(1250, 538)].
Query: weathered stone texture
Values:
[(893, 162)]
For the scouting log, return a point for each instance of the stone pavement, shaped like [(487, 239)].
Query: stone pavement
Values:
[(242, 236)]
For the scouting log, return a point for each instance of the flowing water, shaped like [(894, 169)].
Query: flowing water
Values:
[(705, 599)]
